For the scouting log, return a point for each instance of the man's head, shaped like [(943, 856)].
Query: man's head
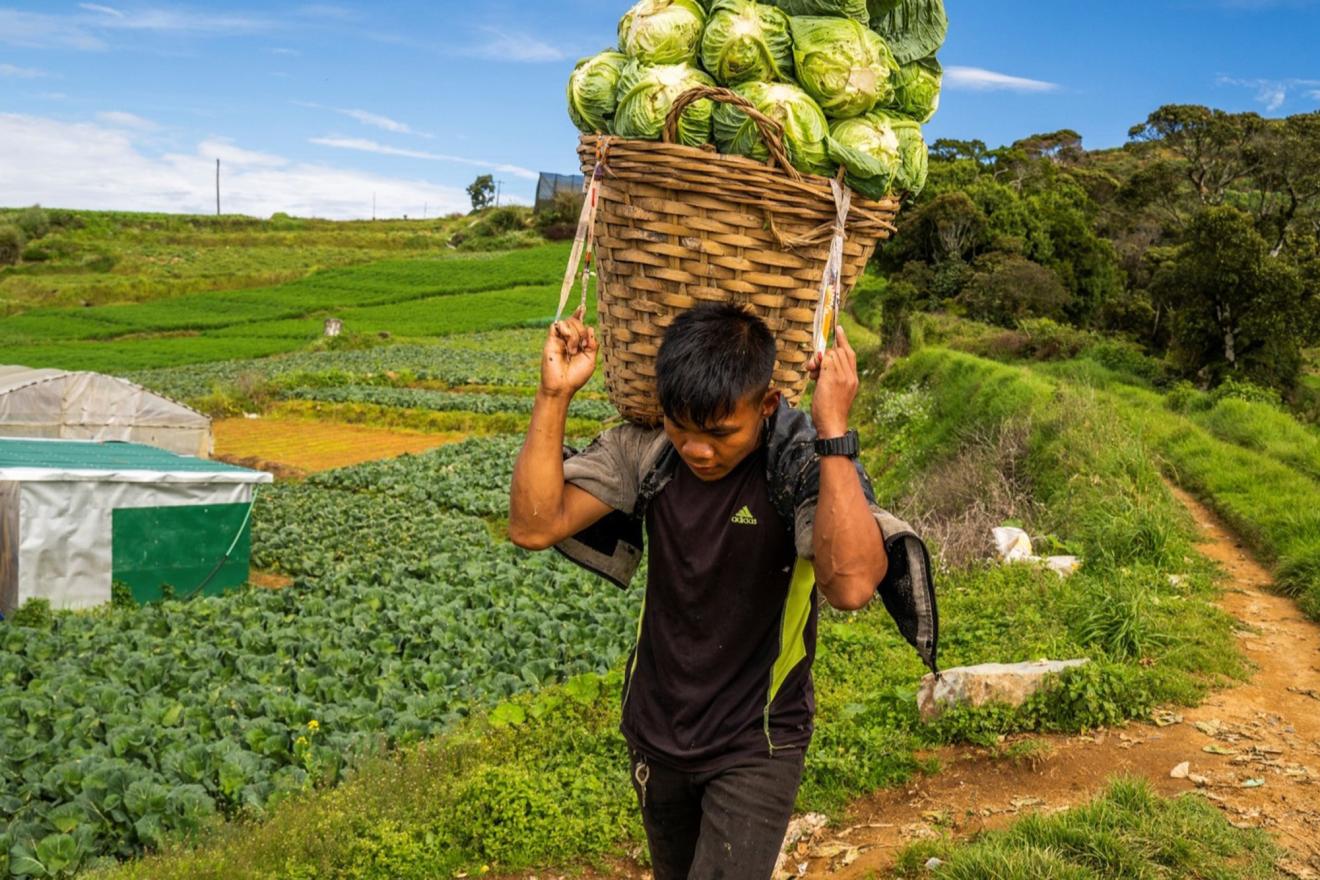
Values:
[(714, 370)]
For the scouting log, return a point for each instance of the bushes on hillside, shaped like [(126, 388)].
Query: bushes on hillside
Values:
[(12, 240)]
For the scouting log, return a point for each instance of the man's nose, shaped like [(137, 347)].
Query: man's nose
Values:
[(699, 452)]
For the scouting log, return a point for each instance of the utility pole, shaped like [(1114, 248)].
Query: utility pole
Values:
[(217, 187), (498, 184), (425, 207), (373, 206)]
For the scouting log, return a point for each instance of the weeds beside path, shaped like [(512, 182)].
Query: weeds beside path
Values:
[(1254, 750)]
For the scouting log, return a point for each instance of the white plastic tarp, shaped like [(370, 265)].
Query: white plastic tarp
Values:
[(65, 531), (92, 406)]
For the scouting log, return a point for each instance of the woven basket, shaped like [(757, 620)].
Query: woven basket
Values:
[(679, 225)]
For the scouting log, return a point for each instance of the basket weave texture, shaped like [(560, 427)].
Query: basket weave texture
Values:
[(679, 225)]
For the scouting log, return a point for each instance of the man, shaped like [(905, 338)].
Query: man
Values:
[(750, 510)]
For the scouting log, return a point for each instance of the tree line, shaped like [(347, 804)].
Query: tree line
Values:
[(1199, 239)]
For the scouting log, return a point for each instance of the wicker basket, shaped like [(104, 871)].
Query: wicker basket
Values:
[(679, 225)]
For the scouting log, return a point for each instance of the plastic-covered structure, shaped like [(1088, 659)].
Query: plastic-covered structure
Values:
[(550, 185), (59, 404), (77, 516)]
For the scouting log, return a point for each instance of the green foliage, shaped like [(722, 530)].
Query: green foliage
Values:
[(34, 221), (11, 244), (1238, 311), (1128, 831), (444, 401), (35, 614), (482, 191)]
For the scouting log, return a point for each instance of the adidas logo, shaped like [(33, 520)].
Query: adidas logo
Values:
[(744, 517)]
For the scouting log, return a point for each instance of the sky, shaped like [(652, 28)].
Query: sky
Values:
[(321, 109)]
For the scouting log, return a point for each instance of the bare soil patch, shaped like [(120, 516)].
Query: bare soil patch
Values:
[(293, 448)]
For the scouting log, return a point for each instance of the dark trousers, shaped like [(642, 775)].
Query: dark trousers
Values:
[(726, 825)]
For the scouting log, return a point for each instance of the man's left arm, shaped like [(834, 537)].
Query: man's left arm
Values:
[(847, 544)]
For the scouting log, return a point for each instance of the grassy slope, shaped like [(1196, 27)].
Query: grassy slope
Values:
[(115, 257), (1264, 489), (542, 780)]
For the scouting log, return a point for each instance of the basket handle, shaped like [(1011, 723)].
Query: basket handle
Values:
[(772, 133)]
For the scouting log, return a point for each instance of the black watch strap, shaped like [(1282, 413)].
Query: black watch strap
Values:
[(846, 445)]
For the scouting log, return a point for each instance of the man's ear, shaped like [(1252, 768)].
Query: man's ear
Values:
[(770, 402)]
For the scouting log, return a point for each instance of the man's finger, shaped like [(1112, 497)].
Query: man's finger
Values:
[(580, 312), (841, 338)]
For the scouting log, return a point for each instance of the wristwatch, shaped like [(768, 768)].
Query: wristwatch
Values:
[(846, 445)]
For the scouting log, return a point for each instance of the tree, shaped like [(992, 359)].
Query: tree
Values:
[(1007, 288), (1287, 152), (1213, 145), (482, 192), (11, 244), (1061, 147), (1236, 311)]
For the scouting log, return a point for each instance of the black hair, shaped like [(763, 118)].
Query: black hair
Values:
[(712, 356)]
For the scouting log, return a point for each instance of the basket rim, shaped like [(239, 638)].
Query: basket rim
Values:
[(811, 184)]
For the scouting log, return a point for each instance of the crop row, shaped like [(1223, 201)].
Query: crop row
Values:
[(446, 401), (122, 726), (501, 358)]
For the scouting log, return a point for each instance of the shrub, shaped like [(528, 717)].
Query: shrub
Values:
[(558, 220), (34, 222), (1240, 389), (1006, 289), (12, 240)]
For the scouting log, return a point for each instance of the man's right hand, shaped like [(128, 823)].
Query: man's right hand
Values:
[(569, 356)]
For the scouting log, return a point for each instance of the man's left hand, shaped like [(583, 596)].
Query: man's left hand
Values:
[(835, 375)]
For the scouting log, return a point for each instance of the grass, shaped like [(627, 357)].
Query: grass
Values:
[(102, 257), (1126, 832), (1274, 506), (542, 780)]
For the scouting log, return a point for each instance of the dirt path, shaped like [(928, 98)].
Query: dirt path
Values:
[(1254, 750)]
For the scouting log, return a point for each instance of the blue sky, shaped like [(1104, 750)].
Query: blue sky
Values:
[(313, 108)]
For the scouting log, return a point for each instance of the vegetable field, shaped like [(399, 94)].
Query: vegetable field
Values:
[(123, 726)]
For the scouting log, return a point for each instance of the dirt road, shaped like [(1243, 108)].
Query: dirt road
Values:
[(1253, 750)]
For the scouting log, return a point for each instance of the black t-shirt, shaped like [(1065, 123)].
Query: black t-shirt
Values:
[(722, 666)]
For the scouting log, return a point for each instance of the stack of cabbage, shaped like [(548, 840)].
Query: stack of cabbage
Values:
[(851, 81)]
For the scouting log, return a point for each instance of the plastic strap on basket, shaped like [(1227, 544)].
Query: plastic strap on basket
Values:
[(585, 239), (827, 306)]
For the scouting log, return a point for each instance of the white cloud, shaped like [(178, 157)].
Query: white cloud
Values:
[(366, 146), (1273, 93), (119, 119), (366, 117), (88, 165), (979, 79), (500, 45), (283, 51), (104, 10), (20, 72), (39, 31)]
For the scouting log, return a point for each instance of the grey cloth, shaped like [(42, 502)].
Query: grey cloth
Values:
[(627, 466)]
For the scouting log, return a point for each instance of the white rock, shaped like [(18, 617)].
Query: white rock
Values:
[(1010, 683), (1181, 771)]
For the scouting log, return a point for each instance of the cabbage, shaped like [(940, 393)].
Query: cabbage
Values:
[(805, 128), (646, 94), (869, 147), (662, 31), (745, 41), (911, 177), (854, 9), (593, 91), (841, 64), (917, 89), (912, 28)]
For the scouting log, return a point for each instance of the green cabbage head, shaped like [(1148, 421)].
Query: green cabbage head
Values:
[(912, 28), (854, 9), (912, 173), (593, 91), (843, 65), (805, 128), (662, 31), (746, 41), (646, 94), (917, 89), (869, 147)]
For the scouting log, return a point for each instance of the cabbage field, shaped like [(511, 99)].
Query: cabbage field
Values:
[(133, 724)]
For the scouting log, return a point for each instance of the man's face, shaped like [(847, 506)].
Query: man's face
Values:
[(711, 451)]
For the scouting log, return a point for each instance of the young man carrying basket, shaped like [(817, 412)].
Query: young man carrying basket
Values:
[(753, 512)]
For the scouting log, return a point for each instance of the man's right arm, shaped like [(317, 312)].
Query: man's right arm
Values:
[(543, 509)]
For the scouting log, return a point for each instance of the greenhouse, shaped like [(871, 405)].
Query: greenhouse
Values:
[(91, 406), (77, 517)]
